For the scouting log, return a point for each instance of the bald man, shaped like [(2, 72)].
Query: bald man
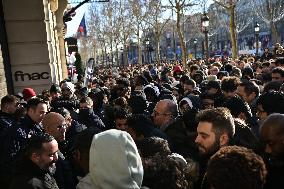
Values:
[(55, 125), (165, 113)]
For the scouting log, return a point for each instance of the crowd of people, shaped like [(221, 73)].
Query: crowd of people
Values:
[(216, 124)]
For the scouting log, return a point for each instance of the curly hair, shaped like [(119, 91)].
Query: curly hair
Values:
[(236, 167), (165, 172), (151, 146), (230, 83)]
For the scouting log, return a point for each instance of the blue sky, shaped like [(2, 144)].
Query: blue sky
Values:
[(73, 25)]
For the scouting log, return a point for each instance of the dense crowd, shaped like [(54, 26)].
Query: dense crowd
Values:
[(216, 124)]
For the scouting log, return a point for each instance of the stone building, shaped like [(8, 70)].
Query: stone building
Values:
[(32, 52)]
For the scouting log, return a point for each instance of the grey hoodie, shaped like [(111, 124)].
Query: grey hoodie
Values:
[(114, 161)]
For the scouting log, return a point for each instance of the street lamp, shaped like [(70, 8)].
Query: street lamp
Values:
[(195, 47), (205, 25), (147, 42), (122, 60), (256, 31)]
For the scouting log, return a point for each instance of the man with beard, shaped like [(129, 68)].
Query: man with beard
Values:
[(87, 115), (272, 136), (34, 170), (215, 129)]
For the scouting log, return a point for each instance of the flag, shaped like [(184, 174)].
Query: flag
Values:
[(82, 29)]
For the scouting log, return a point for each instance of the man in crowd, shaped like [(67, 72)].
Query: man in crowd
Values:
[(277, 74), (82, 146), (268, 103), (68, 99), (215, 129), (87, 115), (55, 125), (249, 92), (9, 105), (272, 136), (165, 117), (17, 136), (34, 171)]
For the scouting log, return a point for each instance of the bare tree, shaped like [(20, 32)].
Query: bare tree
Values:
[(179, 6), (139, 14), (154, 19), (243, 17), (230, 7), (269, 11)]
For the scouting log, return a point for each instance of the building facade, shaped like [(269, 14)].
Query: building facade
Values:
[(32, 44)]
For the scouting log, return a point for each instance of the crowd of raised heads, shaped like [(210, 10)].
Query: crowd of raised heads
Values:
[(216, 124)]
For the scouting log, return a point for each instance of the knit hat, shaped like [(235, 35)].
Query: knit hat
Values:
[(68, 85), (28, 93), (114, 161), (54, 88), (177, 68)]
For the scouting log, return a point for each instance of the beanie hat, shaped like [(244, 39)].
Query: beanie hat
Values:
[(114, 161), (177, 68), (55, 88), (68, 85), (28, 93)]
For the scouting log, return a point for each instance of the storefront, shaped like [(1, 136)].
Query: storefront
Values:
[(32, 44)]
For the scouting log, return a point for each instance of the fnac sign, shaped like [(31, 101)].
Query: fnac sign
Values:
[(21, 76)]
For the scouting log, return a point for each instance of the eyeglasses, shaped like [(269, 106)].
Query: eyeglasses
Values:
[(155, 113)]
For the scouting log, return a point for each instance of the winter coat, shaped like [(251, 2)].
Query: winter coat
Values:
[(91, 120), (15, 144), (29, 176), (6, 122)]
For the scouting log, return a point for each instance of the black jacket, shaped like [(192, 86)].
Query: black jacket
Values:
[(275, 173), (6, 121), (17, 137), (91, 120), (29, 176), (70, 104), (14, 145)]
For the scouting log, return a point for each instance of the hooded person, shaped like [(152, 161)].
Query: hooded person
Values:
[(114, 161)]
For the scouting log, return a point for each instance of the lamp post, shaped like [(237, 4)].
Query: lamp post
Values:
[(122, 62), (205, 25), (256, 31), (195, 47), (147, 42)]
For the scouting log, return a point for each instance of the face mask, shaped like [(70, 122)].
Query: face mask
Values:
[(85, 113)]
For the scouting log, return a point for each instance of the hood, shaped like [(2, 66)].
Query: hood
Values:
[(114, 161), (188, 101)]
